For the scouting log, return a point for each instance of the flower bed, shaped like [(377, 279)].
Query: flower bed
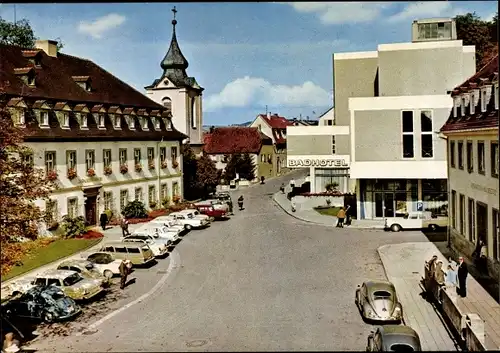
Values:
[(158, 213), (91, 234)]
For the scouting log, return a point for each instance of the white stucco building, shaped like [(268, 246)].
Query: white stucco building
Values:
[(101, 141), (180, 93)]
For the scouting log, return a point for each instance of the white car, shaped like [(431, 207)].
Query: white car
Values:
[(416, 220), (158, 246), (217, 204), (170, 222), (105, 263), (19, 286), (196, 214), (189, 222), (158, 231)]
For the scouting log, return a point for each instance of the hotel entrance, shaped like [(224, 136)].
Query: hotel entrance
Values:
[(384, 204)]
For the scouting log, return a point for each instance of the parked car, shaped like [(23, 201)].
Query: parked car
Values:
[(393, 338), (85, 268), (158, 230), (416, 220), (190, 222), (17, 287), (105, 263), (138, 254), (196, 214), (159, 246), (46, 303), (210, 211), (170, 222), (377, 301), (71, 283), (217, 204)]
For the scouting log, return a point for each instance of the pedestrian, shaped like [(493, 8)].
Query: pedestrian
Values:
[(340, 217), (292, 184), (462, 273), (124, 268), (476, 254), (348, 220), (10, 344), (282, 188), (103, 220), (431, 266), (240, 202), (230, 206), (483, 258), (451, 277), (439, 274), (124, 225), (262, 178)]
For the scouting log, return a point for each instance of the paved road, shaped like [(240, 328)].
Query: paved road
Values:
[(260, 281)]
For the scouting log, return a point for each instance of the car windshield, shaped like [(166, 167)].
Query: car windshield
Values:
[(72, 279), (401, 347), (145, 248), (196, 213), (381, 294), (102, 259), (190, 216)]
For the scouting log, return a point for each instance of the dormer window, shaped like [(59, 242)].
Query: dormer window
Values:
[(65, 116), (31, 79), (495, 92), (462, 106), (84, 120), (483, 100), (156, 121), (144, 123), (472, 105), (132, 123), (169, 124), (101, 120), (84, 82), (33, 57), (118, 122), (44, 118), (22, 117)]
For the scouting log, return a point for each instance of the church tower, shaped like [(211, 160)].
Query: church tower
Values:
[(179, 92)]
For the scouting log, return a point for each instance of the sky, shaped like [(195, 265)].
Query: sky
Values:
[(246, 55)]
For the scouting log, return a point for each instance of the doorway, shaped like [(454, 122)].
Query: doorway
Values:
[(384, 204), (482, 222), (90, 210)]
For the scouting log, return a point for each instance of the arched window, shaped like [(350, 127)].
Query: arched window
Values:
[(194, 113), (167, 103)]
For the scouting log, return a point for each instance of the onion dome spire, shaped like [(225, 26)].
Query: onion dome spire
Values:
[(174, 58)]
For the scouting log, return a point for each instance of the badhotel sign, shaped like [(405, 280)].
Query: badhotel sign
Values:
[(317, 162)]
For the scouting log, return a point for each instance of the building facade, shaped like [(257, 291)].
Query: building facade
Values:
[(100, 140), (388, 111), (274, 127), (473, 166), (176, 91)]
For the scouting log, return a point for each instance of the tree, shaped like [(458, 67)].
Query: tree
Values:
[(246, 167), (20, 33), (206, 175), (20, 185), (189, 172), (483, 34), (232, 166)]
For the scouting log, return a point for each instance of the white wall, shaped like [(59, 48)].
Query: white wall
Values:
[(316, 130), (264, 127)]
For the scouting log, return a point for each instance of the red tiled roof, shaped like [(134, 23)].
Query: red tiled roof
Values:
[(54, 80), (233, 139), (479, 120), (276, 121)]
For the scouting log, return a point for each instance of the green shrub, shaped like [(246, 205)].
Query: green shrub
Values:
[(165, 202), (135, 209), (109, 213), (73, 227)]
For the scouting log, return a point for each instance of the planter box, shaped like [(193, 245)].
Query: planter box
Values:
[(309, 202)]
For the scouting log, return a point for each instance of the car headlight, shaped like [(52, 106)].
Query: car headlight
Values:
[(397, 312), (370, 313)]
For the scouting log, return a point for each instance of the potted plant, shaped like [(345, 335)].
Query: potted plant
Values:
[(152, 204), (151, 165), (175, 164), (108, 170), (124, 169), (165, 202), (71, 173), (91, 172), (164, 165), (138, 167), (52, 175), (176, 198)]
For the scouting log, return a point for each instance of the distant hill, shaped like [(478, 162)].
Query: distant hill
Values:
[(207, 127)]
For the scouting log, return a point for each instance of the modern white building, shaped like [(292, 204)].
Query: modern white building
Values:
[(176, 91), (389, 106), (100, 140), (473, 160)]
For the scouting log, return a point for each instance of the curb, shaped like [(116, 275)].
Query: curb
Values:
[(52, 262), (294, 216)]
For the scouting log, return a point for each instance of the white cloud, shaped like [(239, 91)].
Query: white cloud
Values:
[(418, 10), (341, 12), (247, 91), (101, 25)]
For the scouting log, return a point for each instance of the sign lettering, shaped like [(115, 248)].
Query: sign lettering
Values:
[(317, 163), (483, 188)]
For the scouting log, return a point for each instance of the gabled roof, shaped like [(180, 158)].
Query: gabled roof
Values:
[(55, 80), (479, 120), (233, 139), (275, 121)]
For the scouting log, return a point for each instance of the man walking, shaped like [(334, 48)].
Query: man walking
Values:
[(292, 184), (340, 217), (124, 271), (462, 277), (124, 225), (103, 220)]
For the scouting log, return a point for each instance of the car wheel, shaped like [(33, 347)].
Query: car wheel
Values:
[(395, 227), (48, 317), (188, 227), (433, 227), (108, 274)]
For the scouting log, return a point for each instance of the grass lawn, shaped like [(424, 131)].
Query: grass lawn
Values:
[(54, 251), (331, 211)]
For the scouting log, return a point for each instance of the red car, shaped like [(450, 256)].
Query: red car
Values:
[(211, 211)]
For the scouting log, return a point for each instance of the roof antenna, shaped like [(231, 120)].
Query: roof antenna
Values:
[(266, 109)]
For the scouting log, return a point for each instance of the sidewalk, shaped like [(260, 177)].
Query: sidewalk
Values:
[(110, 234), (312, 216), (404, 265)]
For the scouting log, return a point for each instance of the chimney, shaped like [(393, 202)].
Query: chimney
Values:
[(212, 128), (269, 115), (48, 46)]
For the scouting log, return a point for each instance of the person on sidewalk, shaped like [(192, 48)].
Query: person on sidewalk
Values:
[(483, 258), (124, 268), (462, 273), (451, 277), (340, 217), (124, 225), (282, 188), (292, 184), (348, 220), (431, 265), (103, 220), (439, 273), (240, 202)]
